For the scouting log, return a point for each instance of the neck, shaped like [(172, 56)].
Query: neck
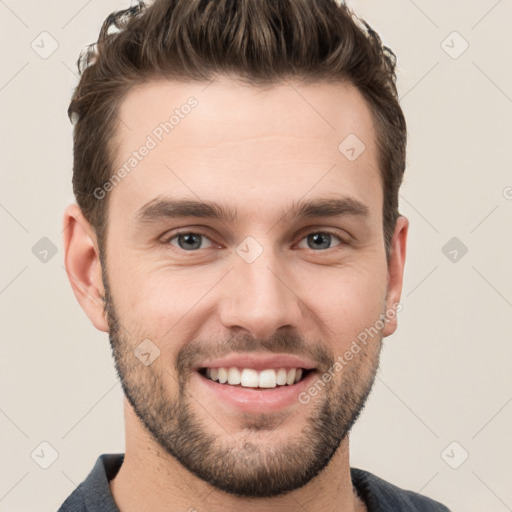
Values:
[(151, 480)]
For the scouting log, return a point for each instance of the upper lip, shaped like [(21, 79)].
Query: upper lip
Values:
[(258, 362)]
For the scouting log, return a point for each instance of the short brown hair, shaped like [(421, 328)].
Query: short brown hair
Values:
[(261, 42)]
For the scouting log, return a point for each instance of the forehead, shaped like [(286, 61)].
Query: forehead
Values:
[(245, 146)]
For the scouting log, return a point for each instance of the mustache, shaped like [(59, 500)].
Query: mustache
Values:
[(198, 350)]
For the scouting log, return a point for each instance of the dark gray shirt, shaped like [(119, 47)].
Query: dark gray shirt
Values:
[(93, 494)]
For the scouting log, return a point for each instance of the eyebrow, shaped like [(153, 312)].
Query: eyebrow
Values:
[(164, 208)]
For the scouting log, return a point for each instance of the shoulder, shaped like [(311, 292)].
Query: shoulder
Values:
[(74, 502), (93, 494), (383, 496)]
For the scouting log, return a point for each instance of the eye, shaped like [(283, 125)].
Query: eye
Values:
[(187, 240), (321, 240), (192, 240)]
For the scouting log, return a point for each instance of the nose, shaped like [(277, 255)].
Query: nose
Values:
[(260, 297)]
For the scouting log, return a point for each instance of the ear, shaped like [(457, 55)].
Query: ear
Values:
[(396, 273), (83, 266)]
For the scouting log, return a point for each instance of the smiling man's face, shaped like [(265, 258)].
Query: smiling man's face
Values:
[(282, 269)]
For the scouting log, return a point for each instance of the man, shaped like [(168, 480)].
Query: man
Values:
[(237, 234)]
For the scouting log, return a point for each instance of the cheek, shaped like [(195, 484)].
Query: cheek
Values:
[(352, 300), (162, 302)]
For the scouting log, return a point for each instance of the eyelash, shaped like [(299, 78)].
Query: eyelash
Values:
[(168, 239)]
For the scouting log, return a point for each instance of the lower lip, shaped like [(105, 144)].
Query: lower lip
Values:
[(255, 399)]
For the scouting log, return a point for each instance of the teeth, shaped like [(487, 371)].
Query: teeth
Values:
[(267, 379), (281, 377), (234, 376), (223, 375), (250, 378)]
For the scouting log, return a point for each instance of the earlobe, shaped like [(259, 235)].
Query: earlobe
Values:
[(83, 265), (396, 274)]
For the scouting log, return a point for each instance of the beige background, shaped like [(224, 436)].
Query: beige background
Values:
[(445, 375)]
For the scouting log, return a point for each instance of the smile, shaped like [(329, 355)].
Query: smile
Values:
[(252, 378)]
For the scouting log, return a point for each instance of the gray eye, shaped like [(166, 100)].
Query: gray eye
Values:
[(188, 241), (320, 240)]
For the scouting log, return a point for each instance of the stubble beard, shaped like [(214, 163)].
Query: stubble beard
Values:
[(241, 465)]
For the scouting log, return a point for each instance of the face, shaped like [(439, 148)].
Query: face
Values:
[(244, 244)]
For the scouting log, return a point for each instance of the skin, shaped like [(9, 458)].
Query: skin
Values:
[(256, 150)]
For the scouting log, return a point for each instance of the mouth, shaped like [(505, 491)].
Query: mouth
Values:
[(254, 382), (263, 379)]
